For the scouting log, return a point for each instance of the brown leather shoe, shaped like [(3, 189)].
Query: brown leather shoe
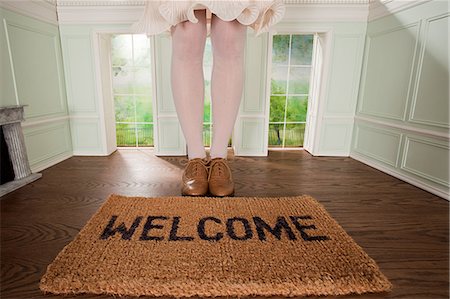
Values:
[(195, 177), (220, 179)]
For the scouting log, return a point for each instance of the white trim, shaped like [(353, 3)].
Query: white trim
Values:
[(120, 12), (417, 172), (87, 116), (42, 10), (100, 2), (267, 96), (88, 152), (403, 127), (44, 121), (99, 14), (142, 2), (327, 41), (400, 176), (95, 35), (52, 162), (379, 9), (336, 12), (8, 43)]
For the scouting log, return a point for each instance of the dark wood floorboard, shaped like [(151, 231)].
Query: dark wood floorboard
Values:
[(402, 227)]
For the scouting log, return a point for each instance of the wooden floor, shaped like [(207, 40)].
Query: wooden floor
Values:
[(402, 227)]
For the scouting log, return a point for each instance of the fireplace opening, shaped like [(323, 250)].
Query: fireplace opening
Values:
[(6, 167)]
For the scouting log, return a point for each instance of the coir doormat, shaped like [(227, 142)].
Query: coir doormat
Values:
[(186, 246)]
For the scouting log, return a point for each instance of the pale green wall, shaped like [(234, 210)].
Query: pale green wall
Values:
[(338, 95), (340, 88), (402, 118), (346, 40), (35, 78), (82, 83)]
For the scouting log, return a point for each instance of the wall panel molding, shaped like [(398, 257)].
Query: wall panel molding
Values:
[(382, 143), (440, 156), (48, 143), (343, 90), (384, 81), (404, 127), (79, 72), (34, 84), (402, 176), (436, 92)]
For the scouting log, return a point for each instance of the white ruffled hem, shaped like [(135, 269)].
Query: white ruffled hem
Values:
[(160, 15)]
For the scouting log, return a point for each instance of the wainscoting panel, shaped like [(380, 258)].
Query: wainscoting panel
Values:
[(388, 71), (404, 90), (378, 143), (86, 136), (345, 71), (80, 74), (47, 143), (251, 141), (336, 136), (426, 158), (34, 51), (430, 104), (170, 137), (32, 74), (250, 134), (255, 78), (163, 54), (8, 94), (419, 159)]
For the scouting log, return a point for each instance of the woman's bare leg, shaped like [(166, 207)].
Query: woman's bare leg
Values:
[(228, 43), (187, 79)]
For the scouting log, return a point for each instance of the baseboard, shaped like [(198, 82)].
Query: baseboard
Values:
[(401, 176), (50, 162)]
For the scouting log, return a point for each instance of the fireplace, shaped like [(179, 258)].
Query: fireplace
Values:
[(16, 156)]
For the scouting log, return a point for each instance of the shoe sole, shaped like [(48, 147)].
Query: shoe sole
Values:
[(226, 195), (197, 195)]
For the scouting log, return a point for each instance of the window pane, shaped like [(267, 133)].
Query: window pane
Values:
[(142, 81), (280, 49), (122, 80), (279, 79), (276, 135), (124, 107), (207, 134), (126, 135), (302, 47), (122, 50), (145, 134), (299, 80), (295, 134), (141, 49), (207, 112), (207, 109), (277, 107), (144, 111), (296, 108)]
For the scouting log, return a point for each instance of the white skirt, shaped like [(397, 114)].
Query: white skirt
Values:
[(160, 15)]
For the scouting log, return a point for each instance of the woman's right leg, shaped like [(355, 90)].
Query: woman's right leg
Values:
[(187, 79)]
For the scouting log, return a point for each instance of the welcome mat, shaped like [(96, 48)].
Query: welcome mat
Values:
[(186, 246)]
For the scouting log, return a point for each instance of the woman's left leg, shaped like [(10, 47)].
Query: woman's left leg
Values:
[(227, 80)]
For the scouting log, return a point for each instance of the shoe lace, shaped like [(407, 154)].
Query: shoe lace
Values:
[(220, 166), (195, 165)]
